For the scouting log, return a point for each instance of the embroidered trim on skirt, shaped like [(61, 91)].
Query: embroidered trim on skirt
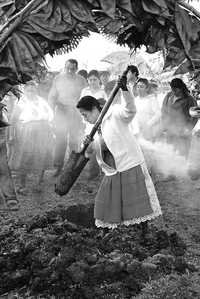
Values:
[(128, 197)]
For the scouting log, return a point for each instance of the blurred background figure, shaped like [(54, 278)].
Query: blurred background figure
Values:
[(45, 83), (94, 86), (83, 73), (13, 134), (104, 77), (8, 197), (35, 136), (147, 120), (132, 78), (177, 123), (63, 97), (95, 90)]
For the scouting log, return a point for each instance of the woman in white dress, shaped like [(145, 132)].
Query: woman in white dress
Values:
[(148, 111), (127, 194)]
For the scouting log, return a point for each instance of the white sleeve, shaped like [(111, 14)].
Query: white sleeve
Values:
[(127, 109)]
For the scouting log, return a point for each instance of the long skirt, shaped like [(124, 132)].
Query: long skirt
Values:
[(128, 197)]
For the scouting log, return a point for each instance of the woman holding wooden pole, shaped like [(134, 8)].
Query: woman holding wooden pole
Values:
[(127, 194)]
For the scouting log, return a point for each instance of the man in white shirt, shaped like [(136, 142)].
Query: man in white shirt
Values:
[(63, 97)]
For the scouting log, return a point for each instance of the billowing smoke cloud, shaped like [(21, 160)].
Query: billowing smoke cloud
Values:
[(162, 158)]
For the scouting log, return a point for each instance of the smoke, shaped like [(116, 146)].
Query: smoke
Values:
[(162, 158)]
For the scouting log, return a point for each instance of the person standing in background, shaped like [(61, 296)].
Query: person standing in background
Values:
[(9, 101), (148, 111), (177, 124), (63, 97), (132, 78), (104, 77), (35, 137), (94, 89), (83, 73), (94, 86)]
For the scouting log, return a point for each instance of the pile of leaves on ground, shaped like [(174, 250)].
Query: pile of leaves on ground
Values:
[(62, 253)]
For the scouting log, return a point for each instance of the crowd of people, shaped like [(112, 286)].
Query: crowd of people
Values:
[(47, 126)]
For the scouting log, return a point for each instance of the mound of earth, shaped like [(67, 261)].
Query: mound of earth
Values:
[(62, 253)]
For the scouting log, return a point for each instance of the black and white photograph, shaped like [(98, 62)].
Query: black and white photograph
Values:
[(99, 149)]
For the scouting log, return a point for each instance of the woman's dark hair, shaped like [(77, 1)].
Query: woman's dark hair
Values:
[(104, 73), (94, 73), (133, 69), (178, 83), (102, 102), (73, 61), (144, 81), (88, 103), (83, 73)]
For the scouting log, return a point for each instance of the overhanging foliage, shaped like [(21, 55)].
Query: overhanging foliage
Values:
[(47, 26)]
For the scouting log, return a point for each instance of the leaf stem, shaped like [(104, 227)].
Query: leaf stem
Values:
[(189, 7)]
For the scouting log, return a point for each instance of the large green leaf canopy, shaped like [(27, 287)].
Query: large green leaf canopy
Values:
[(48, 26)]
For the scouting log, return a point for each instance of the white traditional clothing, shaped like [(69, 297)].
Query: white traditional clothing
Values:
[(147, 120), (127, 194)]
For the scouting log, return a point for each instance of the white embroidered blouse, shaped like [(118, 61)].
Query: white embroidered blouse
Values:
[(119, 138)]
